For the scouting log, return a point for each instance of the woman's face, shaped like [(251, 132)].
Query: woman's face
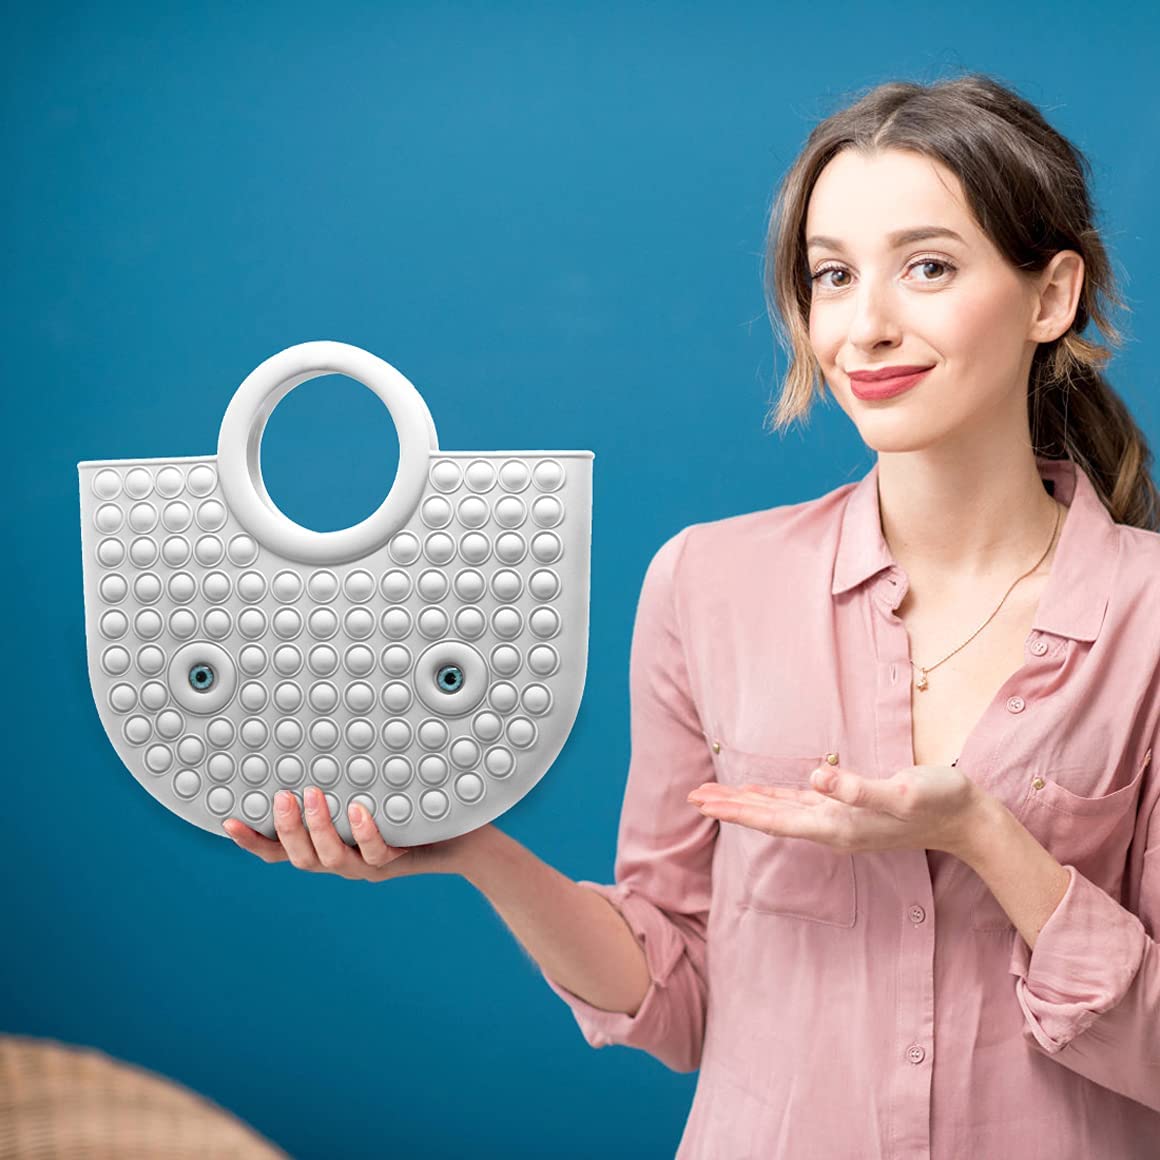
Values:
[(882, 302)]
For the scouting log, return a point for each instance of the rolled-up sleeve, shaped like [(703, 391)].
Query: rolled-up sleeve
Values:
[(665, 846), (1090, 989)]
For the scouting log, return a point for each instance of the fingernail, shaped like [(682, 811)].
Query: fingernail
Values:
[(283, 801), (312, 797), (356, 815)]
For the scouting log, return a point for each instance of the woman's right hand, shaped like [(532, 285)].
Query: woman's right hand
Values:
[(318, 847)]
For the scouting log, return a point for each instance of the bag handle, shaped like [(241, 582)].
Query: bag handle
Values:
[(240, 441)]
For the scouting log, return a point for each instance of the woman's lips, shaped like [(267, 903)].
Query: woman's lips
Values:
[(885, 388)]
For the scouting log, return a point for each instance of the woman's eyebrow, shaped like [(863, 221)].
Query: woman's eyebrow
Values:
[(899, 238)]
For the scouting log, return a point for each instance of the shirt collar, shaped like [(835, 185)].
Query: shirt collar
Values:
[(1076, 594)]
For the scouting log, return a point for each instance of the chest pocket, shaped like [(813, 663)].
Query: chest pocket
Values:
[(793, 877), (1091, 833)]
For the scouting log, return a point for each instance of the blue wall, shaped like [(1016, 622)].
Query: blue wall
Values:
[(550, 218)]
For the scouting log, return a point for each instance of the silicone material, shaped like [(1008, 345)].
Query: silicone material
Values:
[(427, 662)]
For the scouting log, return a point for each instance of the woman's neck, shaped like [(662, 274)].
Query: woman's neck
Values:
[(956, 528)]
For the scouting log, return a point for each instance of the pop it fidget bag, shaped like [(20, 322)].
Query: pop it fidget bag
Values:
[(427, 662)]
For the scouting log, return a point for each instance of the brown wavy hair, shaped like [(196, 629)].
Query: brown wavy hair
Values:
[(1027, 187)]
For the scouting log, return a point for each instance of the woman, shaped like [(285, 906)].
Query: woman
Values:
[(951, 951)]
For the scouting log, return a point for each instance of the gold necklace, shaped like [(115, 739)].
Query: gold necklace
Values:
[(920, 682)]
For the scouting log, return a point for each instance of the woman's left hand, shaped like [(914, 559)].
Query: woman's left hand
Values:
[(921, 807)]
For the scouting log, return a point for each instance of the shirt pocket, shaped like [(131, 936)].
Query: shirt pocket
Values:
[(793, 877), (1091, 833)]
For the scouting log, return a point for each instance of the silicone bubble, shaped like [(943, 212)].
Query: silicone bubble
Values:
[(427, 662)]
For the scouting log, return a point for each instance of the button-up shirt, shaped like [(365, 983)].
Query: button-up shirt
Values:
[(882, 1005)]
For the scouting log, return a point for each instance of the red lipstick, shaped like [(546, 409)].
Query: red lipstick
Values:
[(885, 382)]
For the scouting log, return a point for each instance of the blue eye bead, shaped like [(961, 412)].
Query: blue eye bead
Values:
[(201, 677), (449, 679)]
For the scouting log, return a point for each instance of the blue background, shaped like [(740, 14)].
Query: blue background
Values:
[(550, 218)]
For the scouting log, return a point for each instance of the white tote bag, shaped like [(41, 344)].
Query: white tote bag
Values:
[(427, 662)]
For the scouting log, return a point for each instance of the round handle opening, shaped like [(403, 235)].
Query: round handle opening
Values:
[(240, 437)]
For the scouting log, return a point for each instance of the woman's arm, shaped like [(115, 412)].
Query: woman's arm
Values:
[(577, 937)]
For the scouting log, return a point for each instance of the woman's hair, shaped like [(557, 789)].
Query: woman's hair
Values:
[(1027, 187)]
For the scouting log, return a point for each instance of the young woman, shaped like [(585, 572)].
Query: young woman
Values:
[(950, 951)]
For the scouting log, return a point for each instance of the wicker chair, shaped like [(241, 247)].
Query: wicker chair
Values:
[(65, 1102)]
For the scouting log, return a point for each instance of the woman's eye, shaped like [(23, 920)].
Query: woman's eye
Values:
[(932, 262), (827, 270), (942, 265)]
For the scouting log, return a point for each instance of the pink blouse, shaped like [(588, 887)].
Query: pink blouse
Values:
[(882, 1005)]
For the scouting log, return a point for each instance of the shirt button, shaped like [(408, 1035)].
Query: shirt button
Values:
[(831, 758), (1039, 647), (716, 746), (917, 914), (1038, 782), (1015, 704), (916, 1053)]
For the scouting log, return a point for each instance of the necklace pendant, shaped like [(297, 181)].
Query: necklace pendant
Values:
[(921, 682)]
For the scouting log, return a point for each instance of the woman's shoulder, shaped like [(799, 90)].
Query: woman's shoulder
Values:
[(1140, 540), (1139, 555), (799, 525), (712, 556)]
